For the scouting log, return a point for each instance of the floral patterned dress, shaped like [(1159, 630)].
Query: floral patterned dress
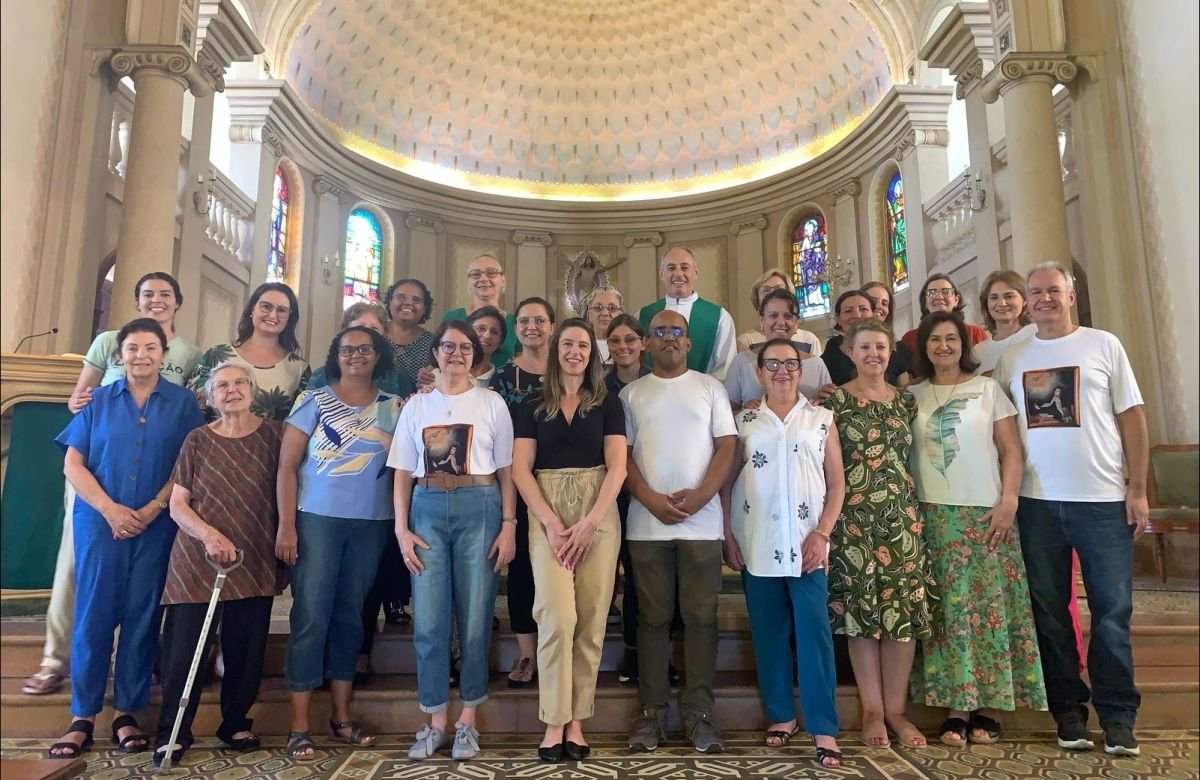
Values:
[(278, 385), (880, 585)]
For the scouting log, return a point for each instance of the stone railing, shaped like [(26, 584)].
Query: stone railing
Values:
[(951, 219), (122, 118), (230, 217)]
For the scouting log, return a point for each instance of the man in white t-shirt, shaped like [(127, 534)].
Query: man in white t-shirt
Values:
[(1081, 418), (681, 442)]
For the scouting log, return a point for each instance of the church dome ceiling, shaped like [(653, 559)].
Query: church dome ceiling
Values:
[(587, 100)]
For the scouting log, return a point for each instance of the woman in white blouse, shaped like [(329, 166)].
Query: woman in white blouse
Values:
[(781, 505)]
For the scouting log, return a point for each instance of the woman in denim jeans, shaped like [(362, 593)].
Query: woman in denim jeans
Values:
[(335, 511), (457, 529)]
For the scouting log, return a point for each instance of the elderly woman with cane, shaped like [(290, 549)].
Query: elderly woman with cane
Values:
[(223, 500)]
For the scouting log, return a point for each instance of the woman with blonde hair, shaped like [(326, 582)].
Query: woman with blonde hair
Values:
[(775, 279)]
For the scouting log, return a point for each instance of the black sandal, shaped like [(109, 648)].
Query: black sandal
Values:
[(124, 745), (989, 726), (301, 740), (85, 727), (784, 737), (177, 754), (956, 726), (243, 745), (826, 754), (357, 737)]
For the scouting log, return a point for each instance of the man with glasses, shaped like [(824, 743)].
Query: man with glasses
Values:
[(940, 294), (713, 338), (1083, 426), (681, 438), (485, 278)]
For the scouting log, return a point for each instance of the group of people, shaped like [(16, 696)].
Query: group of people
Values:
[(886, 491)]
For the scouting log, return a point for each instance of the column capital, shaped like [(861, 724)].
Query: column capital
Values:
[(962, 43), (850, 188), (921, 136), (327, 185), (1017, 67), (265, 133), (417, 221), (639, 239), (170, 60), (747, 223), (532, 237)]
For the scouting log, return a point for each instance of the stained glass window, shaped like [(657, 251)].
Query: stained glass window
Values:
[(364, 258), (277, 256), (808, 265), (897, 234)]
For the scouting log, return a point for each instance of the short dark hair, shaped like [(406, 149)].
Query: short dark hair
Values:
[(162, 276), (938, 278), (779, 343), (383, 354), (778, 295), (387, 298), (966, 362), (837, 307), (535, 300), (141, 325), (287, 339), (629, 321), (484, 312), (465, 329)]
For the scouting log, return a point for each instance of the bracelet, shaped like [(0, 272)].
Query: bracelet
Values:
[(510, 520), (824, 535)]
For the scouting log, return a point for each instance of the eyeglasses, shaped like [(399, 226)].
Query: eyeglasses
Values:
[(490, 273), (600, 308), (767, 289), (402, 298), (662, 330), (940, 292), (449, 347), (787, 315), (350, 349), (266, 307), (773, 364), (629, 341), (527, 321)]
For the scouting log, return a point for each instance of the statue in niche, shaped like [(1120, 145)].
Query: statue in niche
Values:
[(584, 274)]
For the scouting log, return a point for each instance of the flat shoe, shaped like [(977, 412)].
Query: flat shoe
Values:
[(552, 754), (177, 754), (575, 751), (43, 682)]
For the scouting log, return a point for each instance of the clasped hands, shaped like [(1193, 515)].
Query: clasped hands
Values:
[(127, 523), (571, 545)]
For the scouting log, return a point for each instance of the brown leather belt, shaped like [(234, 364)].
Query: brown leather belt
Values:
[(448, 482)]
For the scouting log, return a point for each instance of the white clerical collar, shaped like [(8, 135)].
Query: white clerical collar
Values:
[(680, 301)]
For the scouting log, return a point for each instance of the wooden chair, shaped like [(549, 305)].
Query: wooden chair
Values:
[(1173, 490)]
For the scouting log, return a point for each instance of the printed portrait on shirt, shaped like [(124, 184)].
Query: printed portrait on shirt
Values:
[(1052, 397), (447, 449)]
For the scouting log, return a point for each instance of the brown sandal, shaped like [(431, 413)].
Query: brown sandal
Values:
[(45, 681), (523, 673)]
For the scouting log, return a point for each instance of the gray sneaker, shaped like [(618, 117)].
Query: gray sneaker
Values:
[(429, 742), (648, 730), (466, 743), (704, 734)]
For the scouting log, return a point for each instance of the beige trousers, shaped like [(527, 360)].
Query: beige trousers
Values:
[(60, 613), (571, 608)]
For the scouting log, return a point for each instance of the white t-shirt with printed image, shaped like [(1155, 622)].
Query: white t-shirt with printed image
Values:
[(469, 433), (1068, 392), (671, 424), (987, 353)]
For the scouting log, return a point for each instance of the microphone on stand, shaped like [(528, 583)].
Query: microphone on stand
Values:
[(21, 343)]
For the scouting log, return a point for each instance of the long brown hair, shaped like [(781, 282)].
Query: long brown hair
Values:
[(593, 390), (1013, 280)]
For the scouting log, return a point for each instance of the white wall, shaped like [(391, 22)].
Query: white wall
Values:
[(1162, 66)]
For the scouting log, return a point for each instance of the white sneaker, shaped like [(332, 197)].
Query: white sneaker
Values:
[(466, 742)]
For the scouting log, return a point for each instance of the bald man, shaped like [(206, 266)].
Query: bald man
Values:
[(713, 338), (681, 437), (485, 276)]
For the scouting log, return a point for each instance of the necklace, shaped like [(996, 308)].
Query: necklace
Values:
[(449, 406), (938, 401)]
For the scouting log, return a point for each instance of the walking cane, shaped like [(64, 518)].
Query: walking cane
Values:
[(222, 573)]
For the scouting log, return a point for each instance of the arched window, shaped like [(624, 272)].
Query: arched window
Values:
[(364, 258), (897, 234), (808, 265), (277, 252)]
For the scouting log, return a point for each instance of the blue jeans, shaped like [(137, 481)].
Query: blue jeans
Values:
[(775, 605), (460, 526), (336, 559), (118, 583), (1103, 540)]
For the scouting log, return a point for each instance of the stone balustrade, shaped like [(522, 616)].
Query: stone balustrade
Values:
[(230, 217)]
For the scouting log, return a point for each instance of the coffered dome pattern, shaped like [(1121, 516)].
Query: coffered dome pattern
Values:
[(625, 98)]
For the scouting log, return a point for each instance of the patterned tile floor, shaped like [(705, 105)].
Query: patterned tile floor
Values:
[(1165, 754)]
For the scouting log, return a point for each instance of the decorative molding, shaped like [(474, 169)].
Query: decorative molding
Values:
[(325, 185), (175, 61), (744, 224), (851, 188), (968, 79), (416, 221), (1021, 66), (532, 237), (212, 68), (922, 136), (639, 239), (272, 139)]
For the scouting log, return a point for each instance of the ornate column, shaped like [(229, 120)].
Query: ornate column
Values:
[(748, 265), (643, 270), (146, 242), (845, 232), (327, 262), (253, 157), (963, 44), (423, 231), (532, 259), (1039, 212)]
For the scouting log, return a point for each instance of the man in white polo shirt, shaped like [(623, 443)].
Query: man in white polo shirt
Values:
[(1082, 423), (681, 442)]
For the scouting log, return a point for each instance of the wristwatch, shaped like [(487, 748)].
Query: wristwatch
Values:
[(510, 520), (162, 502)]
